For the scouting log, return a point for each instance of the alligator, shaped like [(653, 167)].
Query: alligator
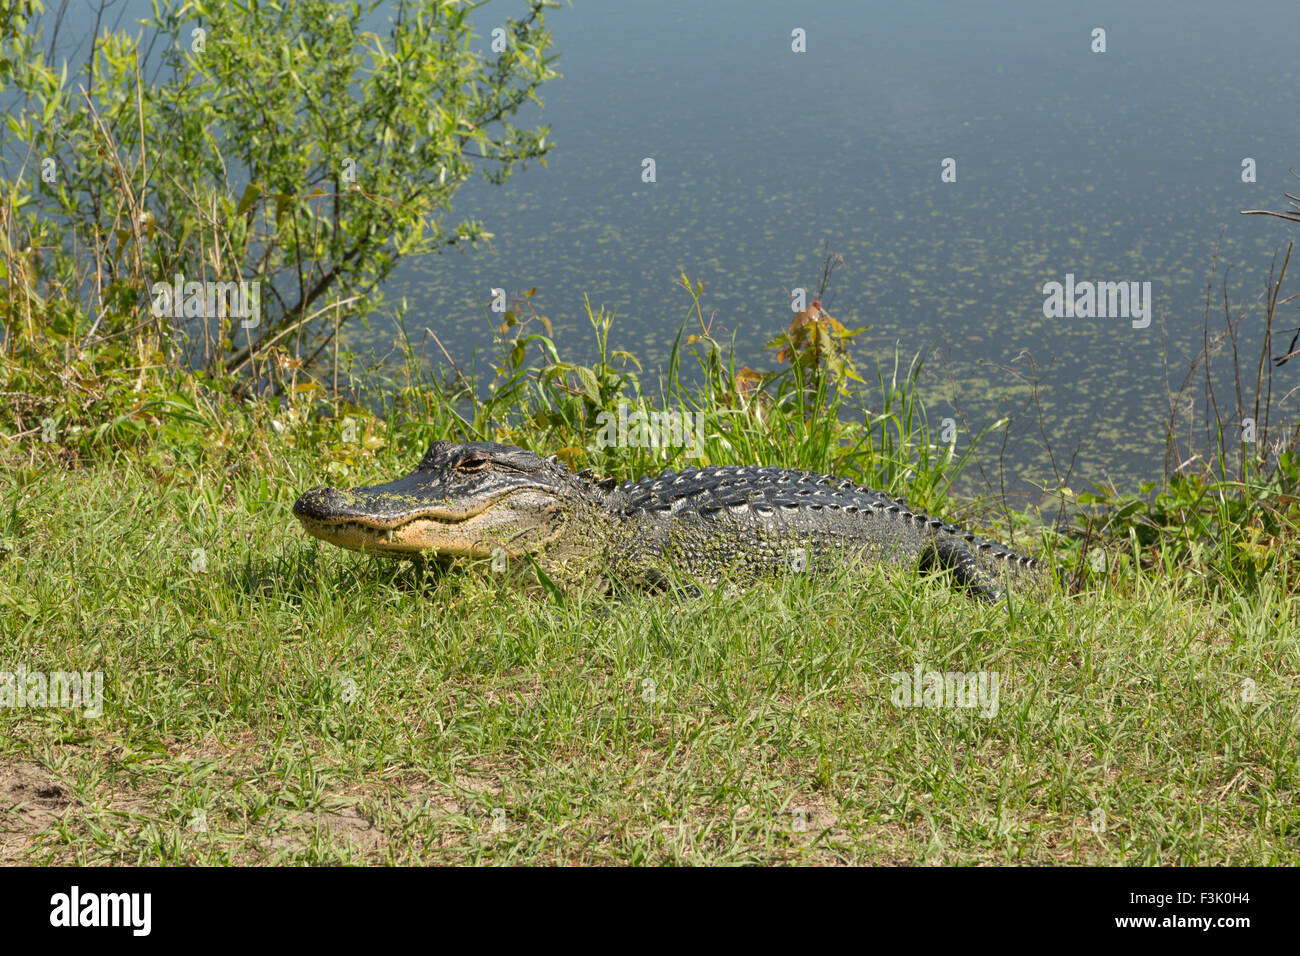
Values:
[(484, 500)]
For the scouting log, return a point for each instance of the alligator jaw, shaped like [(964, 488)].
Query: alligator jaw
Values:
[(472, 529), (413, 537)]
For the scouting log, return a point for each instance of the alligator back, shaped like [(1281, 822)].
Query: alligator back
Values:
[(757, 521)]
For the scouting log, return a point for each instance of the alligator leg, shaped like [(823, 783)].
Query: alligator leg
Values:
[(953, 555)]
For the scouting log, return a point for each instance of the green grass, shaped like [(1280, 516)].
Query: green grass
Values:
[(322, 707)]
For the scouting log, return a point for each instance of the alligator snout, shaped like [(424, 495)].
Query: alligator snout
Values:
[(376, 507), (319, 504)]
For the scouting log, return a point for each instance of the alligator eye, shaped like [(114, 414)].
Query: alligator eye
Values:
[(472, 464)]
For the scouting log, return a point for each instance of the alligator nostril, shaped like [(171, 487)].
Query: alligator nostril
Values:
[(319, 502)]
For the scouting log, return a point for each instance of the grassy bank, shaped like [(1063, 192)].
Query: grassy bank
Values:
[(271, 699), (174, 371)]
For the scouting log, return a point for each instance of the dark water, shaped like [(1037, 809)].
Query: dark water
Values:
[(1115, 166), (1120, 166)]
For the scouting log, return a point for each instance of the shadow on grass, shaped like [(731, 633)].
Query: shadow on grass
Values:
[(306, 571)]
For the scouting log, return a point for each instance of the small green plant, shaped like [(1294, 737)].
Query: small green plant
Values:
[(234, 215)]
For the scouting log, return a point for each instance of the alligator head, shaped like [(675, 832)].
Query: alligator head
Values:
[(462, 499)]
